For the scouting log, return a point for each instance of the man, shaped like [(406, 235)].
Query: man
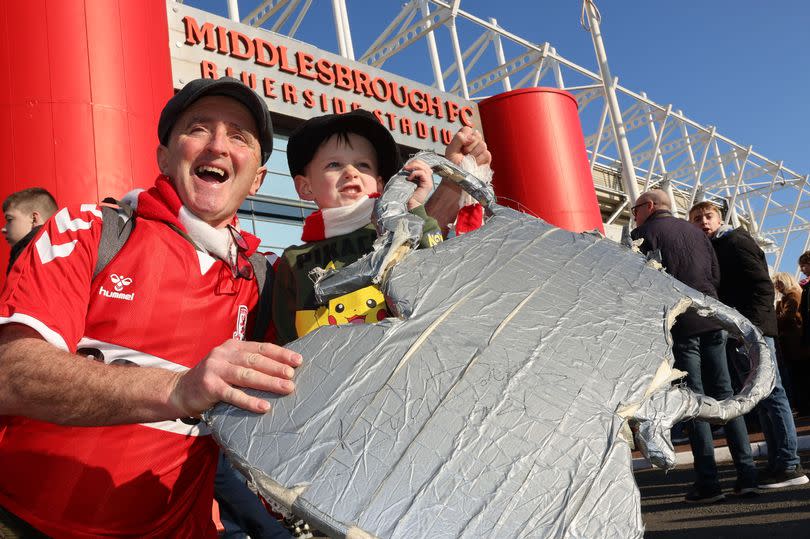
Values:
[(804, 305), (746, 285), (164, 316), (25, 212), (698, 343)]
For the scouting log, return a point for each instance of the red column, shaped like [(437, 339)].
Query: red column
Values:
[(539, 157), (82, 83)]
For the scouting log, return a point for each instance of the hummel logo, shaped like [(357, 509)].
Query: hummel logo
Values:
[(119, 283)]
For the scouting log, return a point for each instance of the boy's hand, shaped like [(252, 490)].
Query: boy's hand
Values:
[(468, 141), (422, 176)]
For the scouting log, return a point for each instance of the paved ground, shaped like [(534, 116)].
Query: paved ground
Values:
[(771, 515)]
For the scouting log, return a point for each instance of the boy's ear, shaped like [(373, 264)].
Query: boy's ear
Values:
[(303, 187)]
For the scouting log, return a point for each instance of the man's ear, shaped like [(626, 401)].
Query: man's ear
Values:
[(162, 153), (303, 187), (258, 180), (36, 217)]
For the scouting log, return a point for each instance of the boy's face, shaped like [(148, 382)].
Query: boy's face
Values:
[(339, 173), (708, 220), (805, 267), (18, 224)]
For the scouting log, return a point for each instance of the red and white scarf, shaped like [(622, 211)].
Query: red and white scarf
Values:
[(331, 222), (162, 203)]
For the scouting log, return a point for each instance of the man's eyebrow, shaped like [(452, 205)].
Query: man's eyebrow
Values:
[(208, 119)]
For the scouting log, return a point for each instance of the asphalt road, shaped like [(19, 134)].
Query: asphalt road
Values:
[(783, 513)]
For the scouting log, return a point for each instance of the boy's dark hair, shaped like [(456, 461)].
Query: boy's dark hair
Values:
[(706, 205), (309, 136), (30, 200), (804, 258)]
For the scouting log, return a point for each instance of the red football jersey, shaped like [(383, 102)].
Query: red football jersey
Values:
[(158, 303)]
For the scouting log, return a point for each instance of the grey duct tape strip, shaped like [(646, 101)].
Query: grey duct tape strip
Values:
[(398, 231), (479, 190), (664, 409)]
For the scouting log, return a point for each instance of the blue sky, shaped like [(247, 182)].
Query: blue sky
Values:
[(742, 66)]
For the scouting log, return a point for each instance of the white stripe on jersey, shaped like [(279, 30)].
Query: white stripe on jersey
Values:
[(48, 251), (47, 333), (112, 353), (64, 223)]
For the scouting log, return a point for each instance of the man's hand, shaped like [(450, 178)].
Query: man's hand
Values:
[(235, 364), (422, 176), (468, 142)]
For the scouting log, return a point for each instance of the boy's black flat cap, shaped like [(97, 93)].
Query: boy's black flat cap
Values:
[(305, 140), (225, 86)]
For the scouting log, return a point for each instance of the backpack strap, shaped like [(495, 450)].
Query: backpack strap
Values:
[(264, 279), (115, 231)]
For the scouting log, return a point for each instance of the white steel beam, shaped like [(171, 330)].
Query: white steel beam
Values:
[(507, 84), (432, 50), (790, 225)]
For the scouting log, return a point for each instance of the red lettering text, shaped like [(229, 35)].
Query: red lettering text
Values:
[(305, 63), (263, 47), (289, 93), (195, 34)]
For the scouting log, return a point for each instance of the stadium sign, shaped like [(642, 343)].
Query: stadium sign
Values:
[(301, 81)]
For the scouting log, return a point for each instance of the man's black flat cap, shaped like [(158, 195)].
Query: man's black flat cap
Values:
[(305, 140), (225, 86)]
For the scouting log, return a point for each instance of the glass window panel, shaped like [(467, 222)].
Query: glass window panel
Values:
[(278, 163), (280, 142), (277, 236), (271, 209), (278, 185)]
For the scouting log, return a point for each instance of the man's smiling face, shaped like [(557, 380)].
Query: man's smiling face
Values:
[(213, 158)]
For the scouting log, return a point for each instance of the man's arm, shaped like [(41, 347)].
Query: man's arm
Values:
[(443, 205), (43, 382)]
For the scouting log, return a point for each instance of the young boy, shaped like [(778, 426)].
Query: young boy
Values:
[(745, 284), (341, 162), (25, 212)]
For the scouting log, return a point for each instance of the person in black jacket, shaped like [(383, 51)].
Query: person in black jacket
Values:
[(699, 343), (746, 285)]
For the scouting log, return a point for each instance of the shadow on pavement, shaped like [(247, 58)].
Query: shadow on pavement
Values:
[(778, 514)]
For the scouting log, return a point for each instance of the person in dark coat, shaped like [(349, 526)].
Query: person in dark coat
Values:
[(746, 285), (699, 343)]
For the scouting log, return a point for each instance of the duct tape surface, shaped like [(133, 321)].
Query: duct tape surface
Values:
[(496, 404)]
